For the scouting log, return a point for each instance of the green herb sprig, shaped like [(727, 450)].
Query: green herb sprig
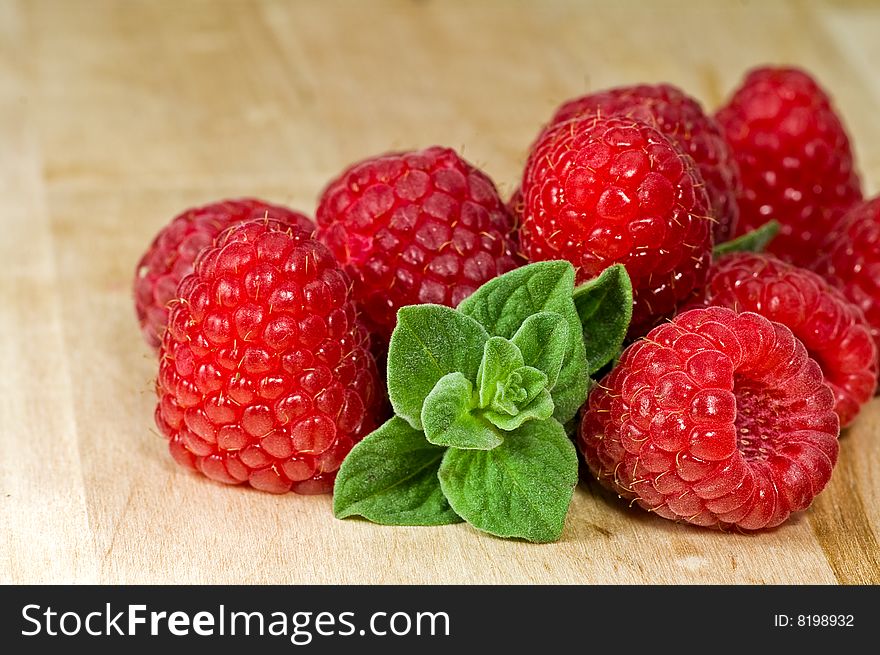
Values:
[(481, 394)]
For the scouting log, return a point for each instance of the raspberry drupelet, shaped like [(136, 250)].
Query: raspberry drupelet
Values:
[(265, 375), (599, 191), (171, 255), (716, 418)]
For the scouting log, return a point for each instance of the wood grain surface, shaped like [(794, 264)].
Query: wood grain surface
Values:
[(114, 116)]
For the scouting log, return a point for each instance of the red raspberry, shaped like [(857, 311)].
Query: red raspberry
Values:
[(852, 260), (599, 191), (415, 227), (794, 159), (265, 375), (681, 118), (833, 330), (171, 255), (717, 419)]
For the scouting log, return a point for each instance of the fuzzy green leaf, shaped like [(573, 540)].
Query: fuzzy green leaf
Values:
[(521, 489), (503, 304), (538, 408), (429, 342), (448, 420), (754, 241), (390, 477), (500, 359), (509, 392), (604, 305), (543, 339), (521, 387)]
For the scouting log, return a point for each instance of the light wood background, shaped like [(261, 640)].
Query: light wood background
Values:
[(114, 116)]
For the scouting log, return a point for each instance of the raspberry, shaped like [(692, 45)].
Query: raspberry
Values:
[(265, 375), (852, 260), (681, 118), (794, 158), (598, 191), (832, 329), (415, 227), (171, 254), (717, 418)]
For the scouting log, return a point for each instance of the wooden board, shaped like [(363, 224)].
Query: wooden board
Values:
[(116, 115)]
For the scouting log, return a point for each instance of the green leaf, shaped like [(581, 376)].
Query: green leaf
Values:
[(429, 342), (391, 478), (521, 489), (524, 384), (604, 306), (448, 420), (509, 392), (500, 358), (754, 241), (539, 408), (543, 339), (504, 303), (522, 397)]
